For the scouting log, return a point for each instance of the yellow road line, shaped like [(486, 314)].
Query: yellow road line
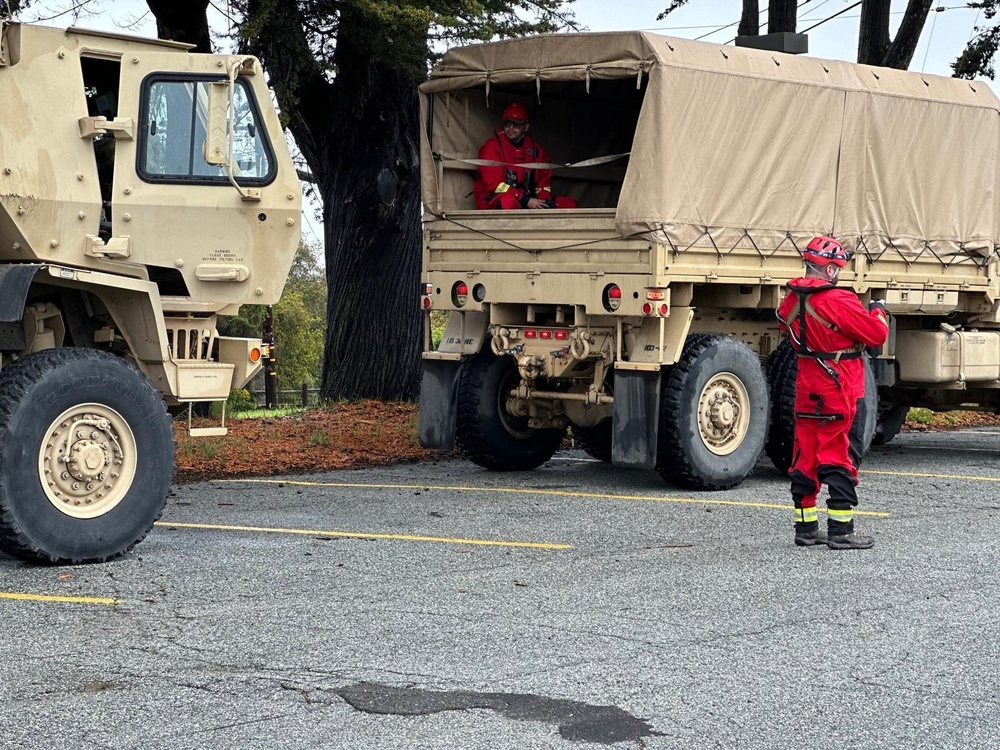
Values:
[(971, 478), (557, 493), (66, 599), (365, 535)]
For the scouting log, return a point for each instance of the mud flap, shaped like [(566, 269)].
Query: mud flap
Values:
[(438, 403), (636, 418), (15, 280)]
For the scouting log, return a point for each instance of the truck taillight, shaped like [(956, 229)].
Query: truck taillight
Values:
[(426, 289), (426, 303), (612, 297), (647, 309), (664, 310), (255, 355), (459, 294), (656, 294)]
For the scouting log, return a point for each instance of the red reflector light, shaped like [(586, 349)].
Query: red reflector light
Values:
[(545, 334), (529, 334), (562, 335), (426, 302), (647, 309), (664, 310), (612, 297)]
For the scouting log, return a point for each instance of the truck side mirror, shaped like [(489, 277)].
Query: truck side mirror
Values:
[(217, 127)]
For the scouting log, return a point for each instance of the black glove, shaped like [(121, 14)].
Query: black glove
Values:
[(878, 304)]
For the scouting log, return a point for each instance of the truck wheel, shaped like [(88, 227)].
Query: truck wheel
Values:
[(485, 432), (781, 430), (713, 414), (890, 422), (781, 381), (595, 441), (86, 456)]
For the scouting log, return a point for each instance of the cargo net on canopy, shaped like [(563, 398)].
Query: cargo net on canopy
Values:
[(874, 248)]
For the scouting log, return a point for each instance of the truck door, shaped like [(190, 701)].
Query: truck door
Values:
[(202, 229)]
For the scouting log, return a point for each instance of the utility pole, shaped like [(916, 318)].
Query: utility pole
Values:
[(270, 362)]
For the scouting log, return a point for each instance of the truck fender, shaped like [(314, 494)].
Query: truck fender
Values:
[(15, 281), (635, 417), (439, 403)]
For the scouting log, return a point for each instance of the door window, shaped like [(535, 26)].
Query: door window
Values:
[(172, 134)]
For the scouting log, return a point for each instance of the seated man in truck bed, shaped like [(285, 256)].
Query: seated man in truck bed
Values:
[(505, 185)]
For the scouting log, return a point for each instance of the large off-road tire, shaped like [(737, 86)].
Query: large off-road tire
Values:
[(781, 374), (713, 414), (86, 456), (485, 432), (781, 382), (595, 441)]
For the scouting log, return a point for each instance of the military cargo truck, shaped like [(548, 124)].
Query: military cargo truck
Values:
[(144, 192), (644, 319)]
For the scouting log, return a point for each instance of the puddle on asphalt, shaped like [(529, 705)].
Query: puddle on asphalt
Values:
[(578, 722)]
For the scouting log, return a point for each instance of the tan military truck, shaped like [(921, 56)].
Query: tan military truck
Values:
[(644, 319), (144, 191)]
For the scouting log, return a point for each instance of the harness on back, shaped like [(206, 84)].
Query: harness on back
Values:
[(803, 310)]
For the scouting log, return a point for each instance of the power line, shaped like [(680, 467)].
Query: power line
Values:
[(930, 37), (830, 18), (734, 23)]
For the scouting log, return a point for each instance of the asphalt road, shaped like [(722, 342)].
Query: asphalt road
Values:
[(577, 606)]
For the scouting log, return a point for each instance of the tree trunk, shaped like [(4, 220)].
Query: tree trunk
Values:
[(182, 21), (356, 131), (780, 16), (876, 47), (372, 248), (873, 32), (900, 52), (750, 20)]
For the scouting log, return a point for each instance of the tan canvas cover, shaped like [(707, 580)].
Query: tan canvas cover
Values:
[(738, 145)]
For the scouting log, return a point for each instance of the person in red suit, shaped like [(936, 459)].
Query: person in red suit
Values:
[(829, 329), (506, 185)]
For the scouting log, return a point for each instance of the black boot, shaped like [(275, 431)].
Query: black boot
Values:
[(852, 540), (809, 535)]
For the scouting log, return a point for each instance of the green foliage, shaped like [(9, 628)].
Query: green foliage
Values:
[(279, 411), (405, 34), (977, 58), (920, 416), (318, 437), (240, 400), (299, 322), (439, 321)]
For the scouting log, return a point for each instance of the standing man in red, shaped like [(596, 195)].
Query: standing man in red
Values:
[(829, 329), (506, 185)]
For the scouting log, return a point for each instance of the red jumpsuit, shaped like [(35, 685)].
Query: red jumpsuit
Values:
[(828, 391), (512, 186)]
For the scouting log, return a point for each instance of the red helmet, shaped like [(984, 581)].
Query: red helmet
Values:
[(515, 112), (823, 250)]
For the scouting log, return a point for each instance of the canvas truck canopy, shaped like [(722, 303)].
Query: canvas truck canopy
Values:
[(730, 145)]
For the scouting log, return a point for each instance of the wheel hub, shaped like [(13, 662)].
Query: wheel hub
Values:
[(87, 461), (722, 416)]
